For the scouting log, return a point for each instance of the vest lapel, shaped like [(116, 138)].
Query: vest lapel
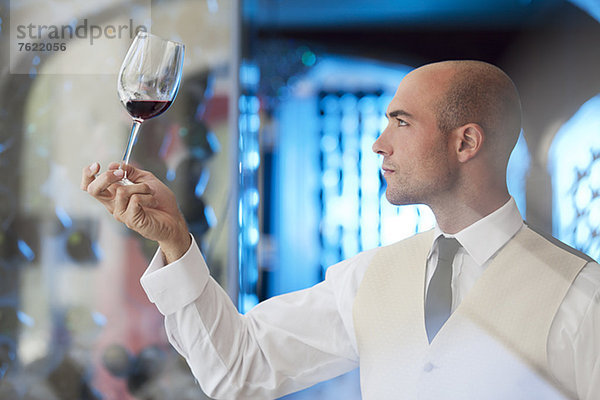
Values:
[(395, 286), (389, 317), (519, 293)]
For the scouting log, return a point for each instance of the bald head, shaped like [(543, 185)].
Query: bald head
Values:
[(481, 93)]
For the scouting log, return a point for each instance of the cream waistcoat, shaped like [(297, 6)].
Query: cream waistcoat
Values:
[(494, 344)]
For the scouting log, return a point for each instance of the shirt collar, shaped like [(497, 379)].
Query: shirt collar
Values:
[(485, 237)]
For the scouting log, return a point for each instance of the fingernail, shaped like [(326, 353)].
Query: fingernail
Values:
[(93, 167), (119, 173)]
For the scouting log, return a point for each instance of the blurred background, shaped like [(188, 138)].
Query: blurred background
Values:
[(268, 149)]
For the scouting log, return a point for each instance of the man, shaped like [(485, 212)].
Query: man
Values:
[(503, 314)]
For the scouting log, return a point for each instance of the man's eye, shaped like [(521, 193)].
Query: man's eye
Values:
[(401, 122)]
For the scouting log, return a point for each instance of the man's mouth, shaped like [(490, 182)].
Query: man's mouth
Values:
[(386, 170)]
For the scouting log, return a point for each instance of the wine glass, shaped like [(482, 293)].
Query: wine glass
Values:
[(148, 82)]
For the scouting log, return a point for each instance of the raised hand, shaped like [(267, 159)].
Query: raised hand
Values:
[(147, 206)]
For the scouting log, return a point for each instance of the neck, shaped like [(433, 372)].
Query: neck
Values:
[(456, 214)]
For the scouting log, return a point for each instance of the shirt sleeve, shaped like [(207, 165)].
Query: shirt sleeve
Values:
[(574, 338), (284, 344)]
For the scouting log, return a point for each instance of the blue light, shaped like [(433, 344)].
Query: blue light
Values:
[(309, 58), (26, 250), (249, 74), (248, 145), (252, 197), (583, 232), (330, 178), (573, 162), (63, 217), (426, 219), (97, 251), (516, 173), (253, 104), (252, 160), (253, 122), (329, 143), (213, 142), (595, 172), (594, 216), (164, 146), (211, 218), (242, 126), (202, 183), (331, 125), (171, 174), (252, 236), (248, 301), (42, 151), (591, 6), (382, 123), (243, 104), (213, 6), (25, 319), (99, 319), (583, 196), (36, 60), (368, 104), (349, 102), (330, 104)]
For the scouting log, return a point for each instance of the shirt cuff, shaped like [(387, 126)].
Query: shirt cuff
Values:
[(172, 287)]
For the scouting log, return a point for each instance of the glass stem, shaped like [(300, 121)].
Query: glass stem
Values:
[(132, 139)]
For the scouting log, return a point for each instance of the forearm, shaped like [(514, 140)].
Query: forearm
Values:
[(270, 352), (201, 321), (221, 349), (285, 344), (209, 342)]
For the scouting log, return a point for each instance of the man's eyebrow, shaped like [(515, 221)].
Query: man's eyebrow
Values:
[(399, 113)]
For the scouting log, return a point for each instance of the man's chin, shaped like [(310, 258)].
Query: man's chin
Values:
[(400, 200)]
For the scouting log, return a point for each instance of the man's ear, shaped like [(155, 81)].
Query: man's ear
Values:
[(469, 139)]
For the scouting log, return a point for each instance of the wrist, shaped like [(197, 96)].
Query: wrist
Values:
[(175, 247)]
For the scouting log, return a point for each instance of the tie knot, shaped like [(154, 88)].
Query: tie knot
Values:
[(447, 248)]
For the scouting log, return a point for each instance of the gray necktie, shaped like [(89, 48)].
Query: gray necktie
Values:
[(438, 303)]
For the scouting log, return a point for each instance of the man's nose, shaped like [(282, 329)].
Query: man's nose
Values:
[(380, 146)]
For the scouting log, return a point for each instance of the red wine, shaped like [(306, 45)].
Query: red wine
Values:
[(145, 109)]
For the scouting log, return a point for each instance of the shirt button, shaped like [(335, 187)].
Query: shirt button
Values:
[(428, 367)]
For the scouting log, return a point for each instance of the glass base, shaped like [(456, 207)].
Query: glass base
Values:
[(125, 182)]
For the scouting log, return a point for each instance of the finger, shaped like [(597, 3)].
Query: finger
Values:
[(124, 193), (88, 174), (103, 181), (113, 166), (135, 213), (142, 200)]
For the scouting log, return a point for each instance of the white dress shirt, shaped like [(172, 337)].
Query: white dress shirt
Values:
[(295, 340)]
